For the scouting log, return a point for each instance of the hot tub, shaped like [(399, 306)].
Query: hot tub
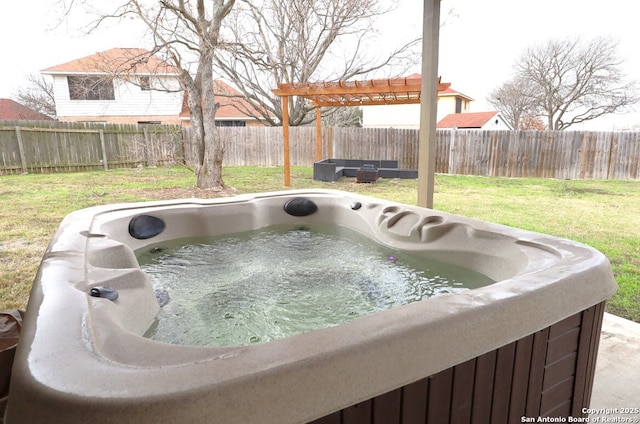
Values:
[(524, 346)]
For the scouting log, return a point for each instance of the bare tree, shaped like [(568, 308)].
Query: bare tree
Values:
[(177, 25), (515, 101), (531, 122), (575, 80), (269, 42), (346, 116), (38, 95), (265, 42), (185, 34)]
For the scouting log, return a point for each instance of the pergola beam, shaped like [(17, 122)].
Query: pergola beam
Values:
[(285, 131), (405, 101), (348, 87), (318, 134)]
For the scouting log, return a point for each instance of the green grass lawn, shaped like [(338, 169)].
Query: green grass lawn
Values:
[(602, 214)]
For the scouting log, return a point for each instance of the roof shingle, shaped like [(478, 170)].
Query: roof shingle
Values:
[(466, 120), (114, 61), (11, 110), (231, 103)]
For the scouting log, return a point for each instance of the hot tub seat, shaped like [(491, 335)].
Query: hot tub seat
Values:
[(84, 358)]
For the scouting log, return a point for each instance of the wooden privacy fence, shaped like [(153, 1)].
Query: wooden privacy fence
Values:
[(546, 154), (42, 147), (259, 146), (51, 147)]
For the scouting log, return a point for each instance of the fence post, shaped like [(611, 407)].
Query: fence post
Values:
[(104, 150), (145, 138), (329, 136), (23, 159), (452, 150), (610, 165)]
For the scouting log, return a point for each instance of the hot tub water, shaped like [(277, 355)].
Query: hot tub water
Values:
[(267, 284)]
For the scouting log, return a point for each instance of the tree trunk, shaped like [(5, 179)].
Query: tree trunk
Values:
[(209, 169)]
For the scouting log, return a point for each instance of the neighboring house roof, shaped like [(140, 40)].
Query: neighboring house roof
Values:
[(469, 120), (11, 110), (114, 61), (446, 92), (230, 108)]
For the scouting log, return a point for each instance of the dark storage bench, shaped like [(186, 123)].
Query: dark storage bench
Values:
[(333, 169)]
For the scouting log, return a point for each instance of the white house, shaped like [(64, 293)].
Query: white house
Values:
[(132, 86), (408, 116), (119, 85)]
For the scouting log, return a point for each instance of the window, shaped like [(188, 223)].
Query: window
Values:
[(90, 87), (458, 105), (223, 123), (145, 84)]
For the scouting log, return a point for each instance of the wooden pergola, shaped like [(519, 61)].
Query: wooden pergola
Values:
[(382, 92), (395, 91)]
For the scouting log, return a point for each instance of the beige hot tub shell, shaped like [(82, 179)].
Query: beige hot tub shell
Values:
[(83, 359)]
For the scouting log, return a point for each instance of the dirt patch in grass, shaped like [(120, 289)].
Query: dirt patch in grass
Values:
[(19, 244), (183, 193), (580, 190)]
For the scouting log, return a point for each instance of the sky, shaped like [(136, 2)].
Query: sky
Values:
[(479, 40)]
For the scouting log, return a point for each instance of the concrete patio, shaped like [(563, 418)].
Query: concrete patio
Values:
[(617, 380)]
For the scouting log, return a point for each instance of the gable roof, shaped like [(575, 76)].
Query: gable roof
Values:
[(114, 61), (466, 120), (232, 104), (11, 110)]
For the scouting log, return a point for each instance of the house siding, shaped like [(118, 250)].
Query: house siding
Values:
[(447, 105), (121, 119), (407, 116), (391, 116), (492, 125), (130, 101)]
